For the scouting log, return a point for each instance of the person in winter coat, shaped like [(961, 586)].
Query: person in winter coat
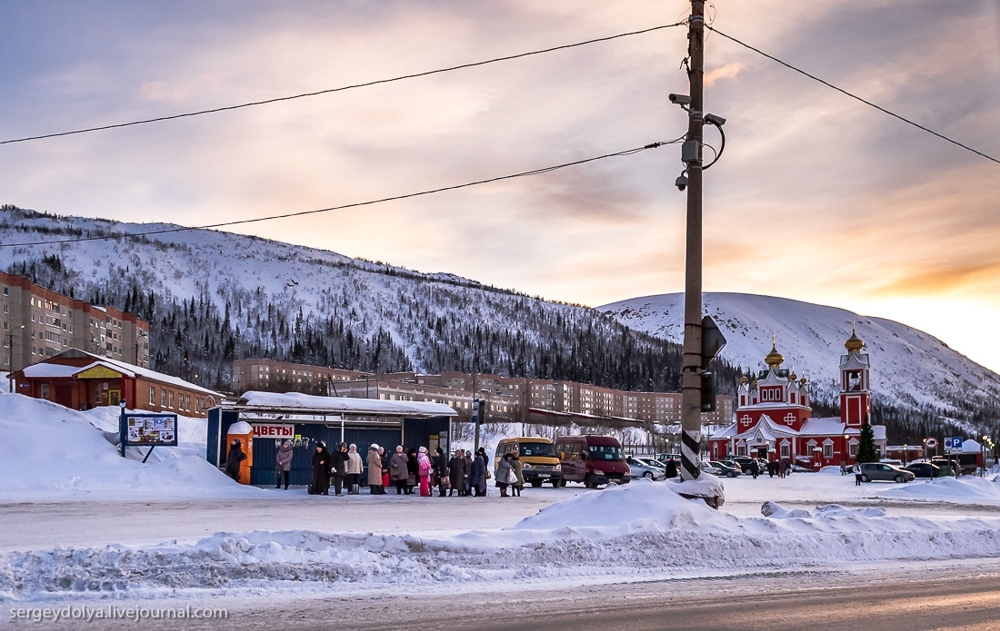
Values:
[(338, 467), (424, 470), (354, 469), (234, 458), (468, 472), (671, 468), (504, 470), (412, 470), (321, 470), (515, 464), (398, 471), (375, 471), (857, 474), (754, 468), (440, 462), (385, 468), (457, 473), (477, 478), (284, 463)]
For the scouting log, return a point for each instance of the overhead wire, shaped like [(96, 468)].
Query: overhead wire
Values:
[(354, 86), (540, 171), (853, 96)]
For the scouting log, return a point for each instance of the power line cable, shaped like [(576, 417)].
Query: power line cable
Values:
[(366, 84), (129, 235), (853, 96)]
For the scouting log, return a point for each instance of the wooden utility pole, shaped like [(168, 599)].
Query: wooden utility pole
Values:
[(691, 155)]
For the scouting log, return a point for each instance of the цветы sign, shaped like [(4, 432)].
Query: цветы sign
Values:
[(274, 431)]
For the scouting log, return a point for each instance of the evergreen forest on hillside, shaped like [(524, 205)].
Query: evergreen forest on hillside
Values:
[(376, 318)]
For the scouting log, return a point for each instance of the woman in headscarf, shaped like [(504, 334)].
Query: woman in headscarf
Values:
[(375, 471), (398, 471), (321, 470), (354, 469), (424, 469)]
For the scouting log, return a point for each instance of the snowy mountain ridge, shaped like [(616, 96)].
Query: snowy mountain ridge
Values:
[(909, 368), (212, 297)]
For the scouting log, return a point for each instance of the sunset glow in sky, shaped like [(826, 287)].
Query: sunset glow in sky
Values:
[(817, 197)]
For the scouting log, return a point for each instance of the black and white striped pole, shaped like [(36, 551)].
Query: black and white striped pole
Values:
[(695, 376), (691, 156)]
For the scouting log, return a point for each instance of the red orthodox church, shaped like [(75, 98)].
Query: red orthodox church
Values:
[(774, 420)]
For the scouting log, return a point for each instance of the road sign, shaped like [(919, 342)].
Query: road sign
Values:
[(931, 443)]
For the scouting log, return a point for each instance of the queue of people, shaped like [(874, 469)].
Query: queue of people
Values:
[(465, 473)]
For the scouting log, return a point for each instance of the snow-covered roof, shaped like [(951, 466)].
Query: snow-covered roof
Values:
[(43, 370), (50, 371), (828, 426), (341, 405)]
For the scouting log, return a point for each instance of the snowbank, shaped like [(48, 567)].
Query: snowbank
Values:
[(53, 453), (640, 531), (657, 535)]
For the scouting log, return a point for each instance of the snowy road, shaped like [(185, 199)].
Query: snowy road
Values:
[(96, 523), (961, 595)]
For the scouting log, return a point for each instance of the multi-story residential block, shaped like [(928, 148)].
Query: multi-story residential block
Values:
[(39, 323), (508, 399)]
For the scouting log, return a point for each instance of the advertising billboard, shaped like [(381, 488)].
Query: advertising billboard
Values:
[(151, 430)]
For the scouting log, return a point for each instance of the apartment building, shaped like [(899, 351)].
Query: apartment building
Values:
[(273, 376), (508, 399), (39, 323)]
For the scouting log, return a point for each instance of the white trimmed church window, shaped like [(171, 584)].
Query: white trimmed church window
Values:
[(828, 451), (785, 452)]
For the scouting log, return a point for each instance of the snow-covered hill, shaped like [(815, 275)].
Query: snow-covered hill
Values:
[(909, 367), (212, 297)]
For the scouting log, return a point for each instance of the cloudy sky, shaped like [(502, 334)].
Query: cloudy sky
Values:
[(817, 197)]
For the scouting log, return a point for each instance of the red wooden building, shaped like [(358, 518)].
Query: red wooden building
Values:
[(774, 419), (80, 380)]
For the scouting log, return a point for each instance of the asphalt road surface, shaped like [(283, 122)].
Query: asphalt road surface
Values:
[(962, 595)]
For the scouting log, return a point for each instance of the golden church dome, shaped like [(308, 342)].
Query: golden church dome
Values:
[(744, 379), (854, 343), (774, 358)]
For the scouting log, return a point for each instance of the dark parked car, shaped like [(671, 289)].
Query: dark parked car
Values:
[(924, 469), (871, 471), (744, 462), (726, 470), (733, 464)]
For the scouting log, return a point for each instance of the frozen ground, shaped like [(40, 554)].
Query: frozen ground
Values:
[(80, 523)]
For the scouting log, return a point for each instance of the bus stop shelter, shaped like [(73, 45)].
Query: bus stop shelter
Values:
[(306, 420)]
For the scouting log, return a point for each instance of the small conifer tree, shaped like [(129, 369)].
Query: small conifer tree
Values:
[(866, 444)]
